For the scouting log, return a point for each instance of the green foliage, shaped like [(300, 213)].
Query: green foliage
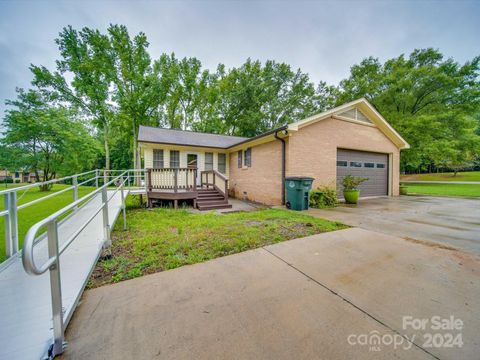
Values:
[(112, 83), (467, 190), (323, 197), (350, 182), (434, 103), (49, 138)]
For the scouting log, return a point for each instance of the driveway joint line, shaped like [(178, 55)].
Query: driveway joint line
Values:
[(350, 303)]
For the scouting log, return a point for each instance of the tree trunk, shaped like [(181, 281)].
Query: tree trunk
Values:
[(107, 148)]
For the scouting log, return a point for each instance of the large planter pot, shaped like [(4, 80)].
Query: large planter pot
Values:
[(351, 196)]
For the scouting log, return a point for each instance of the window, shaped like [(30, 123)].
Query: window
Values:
[(240, 161), (17, 174), (342, 163), (369, 165), (248, 157), (355, 164), (157, 159), (208, 161), (222, 163), (174, 158), (380, 166)]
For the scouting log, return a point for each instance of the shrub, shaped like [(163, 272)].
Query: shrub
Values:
[(8, 180), (350, 182), (323, 197), (17, 181)]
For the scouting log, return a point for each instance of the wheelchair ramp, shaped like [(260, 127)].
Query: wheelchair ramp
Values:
[(25, 300)]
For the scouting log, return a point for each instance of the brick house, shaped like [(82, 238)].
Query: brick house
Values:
[(350, 139)]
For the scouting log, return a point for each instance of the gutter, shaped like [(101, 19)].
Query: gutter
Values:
[(274, 131), (284, 128)]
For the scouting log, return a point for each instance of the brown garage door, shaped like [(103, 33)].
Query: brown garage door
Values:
[(373, 166)]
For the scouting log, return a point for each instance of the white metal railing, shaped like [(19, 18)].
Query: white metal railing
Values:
[(136, 179), (54, 250)]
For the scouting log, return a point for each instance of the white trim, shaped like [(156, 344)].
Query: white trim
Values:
[(359, 122), (374, 117)]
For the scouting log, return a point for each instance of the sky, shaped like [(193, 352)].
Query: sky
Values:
[(322, 38)]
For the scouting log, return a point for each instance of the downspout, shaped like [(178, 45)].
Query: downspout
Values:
[(283, 160)]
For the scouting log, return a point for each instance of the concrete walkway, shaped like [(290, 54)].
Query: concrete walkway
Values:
[(453, 222), (300, 299)]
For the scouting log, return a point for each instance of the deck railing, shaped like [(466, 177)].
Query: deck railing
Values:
[(172, 179), (216, 180)]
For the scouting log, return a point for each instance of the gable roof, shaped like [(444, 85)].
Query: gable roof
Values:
[(158, 135), (367, 109)]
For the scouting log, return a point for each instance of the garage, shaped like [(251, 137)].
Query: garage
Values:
[(373, 166)]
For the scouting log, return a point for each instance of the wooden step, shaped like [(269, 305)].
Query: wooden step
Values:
[(209, 198), (214, 207), (214, 201)]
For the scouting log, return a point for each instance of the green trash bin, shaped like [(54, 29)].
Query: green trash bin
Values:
[(297, 189)]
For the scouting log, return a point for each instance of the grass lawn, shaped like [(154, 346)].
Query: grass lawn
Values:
[(163, 239), (461, 176), (468, 190), (36, 212)]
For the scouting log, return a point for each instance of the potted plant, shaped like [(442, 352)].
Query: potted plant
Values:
[(350, 188)]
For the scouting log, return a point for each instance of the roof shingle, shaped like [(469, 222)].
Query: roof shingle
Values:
[(190, 138)]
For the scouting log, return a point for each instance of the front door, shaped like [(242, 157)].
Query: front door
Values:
[(192, 163)]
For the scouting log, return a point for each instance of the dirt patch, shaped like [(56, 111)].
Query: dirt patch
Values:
[(430, 244)]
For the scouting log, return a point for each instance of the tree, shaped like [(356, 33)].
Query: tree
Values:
[(86, 56), (257, 97), (48, 138), (139, 89), (432, 102)]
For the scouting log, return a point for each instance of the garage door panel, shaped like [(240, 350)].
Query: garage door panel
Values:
[(373, 166)]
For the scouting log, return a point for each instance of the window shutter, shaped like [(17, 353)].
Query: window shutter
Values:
[(239, 155), (248, 157), (174, 158), (157, 159), (208, 161), (222, 160)]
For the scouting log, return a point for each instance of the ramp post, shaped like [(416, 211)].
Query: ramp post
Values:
[(123, 203), (55, 290), (75, 189), (106, 226), (8, 233), (13, 215), (96, 178)]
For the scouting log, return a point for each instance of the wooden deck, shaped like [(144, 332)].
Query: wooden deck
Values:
[(174, 184)]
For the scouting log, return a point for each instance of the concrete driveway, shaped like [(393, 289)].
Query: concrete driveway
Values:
[(320, 297), (452, 222)]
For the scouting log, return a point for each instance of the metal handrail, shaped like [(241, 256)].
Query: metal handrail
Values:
[(53, 181), (29, 242), (54, 250)]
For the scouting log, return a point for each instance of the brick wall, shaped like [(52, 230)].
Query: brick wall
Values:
[(262, 181), (312, 151)]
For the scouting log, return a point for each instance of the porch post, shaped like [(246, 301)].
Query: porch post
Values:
[(175, 177)]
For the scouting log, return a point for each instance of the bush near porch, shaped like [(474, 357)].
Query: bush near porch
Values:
[(162, 239)]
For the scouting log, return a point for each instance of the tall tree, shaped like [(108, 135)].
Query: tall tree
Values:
[(431, 101), (49, 139), (86, 56), (139, 89)]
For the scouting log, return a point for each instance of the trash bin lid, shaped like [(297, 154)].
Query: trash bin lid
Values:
[(299, 178)]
